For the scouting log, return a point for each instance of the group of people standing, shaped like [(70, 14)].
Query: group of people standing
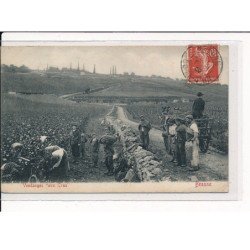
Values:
[(181, 141), (79, 140), (180, 135)]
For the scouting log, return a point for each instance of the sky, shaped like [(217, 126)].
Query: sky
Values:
[(142, 60)]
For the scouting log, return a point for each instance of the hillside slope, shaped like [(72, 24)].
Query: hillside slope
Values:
[(118, 86), (51, 84)]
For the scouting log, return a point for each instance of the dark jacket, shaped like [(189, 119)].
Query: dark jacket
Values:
[(75, 137), (198, 107), (181, 133), (146, 125), (95, 145), (108, 142)]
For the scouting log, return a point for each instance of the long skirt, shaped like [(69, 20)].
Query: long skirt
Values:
[(181, 153), (192, 153)]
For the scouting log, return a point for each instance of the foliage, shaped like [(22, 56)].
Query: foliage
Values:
[(25, 121), (14, 69)]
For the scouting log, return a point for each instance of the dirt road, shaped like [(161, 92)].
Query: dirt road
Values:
[(81, 93), (214, 166)]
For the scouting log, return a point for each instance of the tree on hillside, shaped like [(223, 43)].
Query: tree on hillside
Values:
[(14, 69), (24, 69)]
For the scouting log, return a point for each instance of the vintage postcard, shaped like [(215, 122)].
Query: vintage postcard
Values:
[(115, 118)]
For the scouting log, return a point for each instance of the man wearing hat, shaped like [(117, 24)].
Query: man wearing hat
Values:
[(108, 141), (83, 144), (165, 117), (144, 128), (75, 142), (198, 106)]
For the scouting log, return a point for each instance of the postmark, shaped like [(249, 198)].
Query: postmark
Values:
[(202, 64)]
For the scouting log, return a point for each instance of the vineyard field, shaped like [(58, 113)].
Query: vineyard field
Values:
[(25, 119)]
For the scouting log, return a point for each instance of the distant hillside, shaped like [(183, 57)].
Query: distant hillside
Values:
[(125, 86), (50, 84), (163, 87)]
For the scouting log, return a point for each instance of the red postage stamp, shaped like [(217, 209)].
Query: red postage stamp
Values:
[(203, 64)]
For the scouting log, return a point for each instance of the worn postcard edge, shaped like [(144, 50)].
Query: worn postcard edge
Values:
[(168, 187)]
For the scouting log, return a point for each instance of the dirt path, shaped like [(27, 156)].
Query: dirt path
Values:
[(79, 93), (214, 166), (69, 95)]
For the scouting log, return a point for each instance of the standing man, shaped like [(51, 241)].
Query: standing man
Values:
[(165, 116), (144, 128), (180, 142), (75, 141), (172, 138), (192, 144), (82, 145), (198, 106), (108, 141), (94, 149)]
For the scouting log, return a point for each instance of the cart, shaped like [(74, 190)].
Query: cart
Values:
[(205, 125)]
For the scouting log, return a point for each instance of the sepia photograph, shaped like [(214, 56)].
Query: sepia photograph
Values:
[(115, 118), (124, 124)]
